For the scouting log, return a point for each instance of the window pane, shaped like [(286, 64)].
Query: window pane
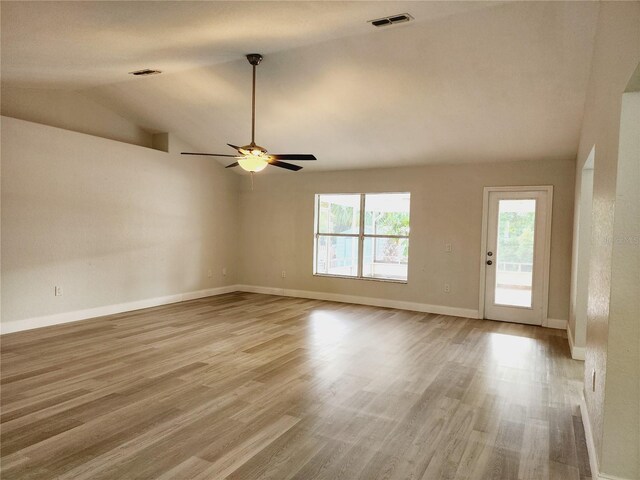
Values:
[(514, 257), (337, 255), (339, 214), (385, 258), (387, 214)]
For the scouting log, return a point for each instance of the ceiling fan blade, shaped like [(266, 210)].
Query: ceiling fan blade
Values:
[(288, 166), (234, 164), (293, 156), (234, 146), (209, 154)]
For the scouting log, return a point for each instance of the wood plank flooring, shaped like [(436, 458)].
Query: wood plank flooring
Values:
[(247, 386)]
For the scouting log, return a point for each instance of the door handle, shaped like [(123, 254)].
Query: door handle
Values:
[(489, 262)]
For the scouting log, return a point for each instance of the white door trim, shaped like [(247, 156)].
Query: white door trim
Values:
[(547, 246)]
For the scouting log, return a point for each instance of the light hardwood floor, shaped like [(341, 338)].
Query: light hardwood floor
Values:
[(245, 386)]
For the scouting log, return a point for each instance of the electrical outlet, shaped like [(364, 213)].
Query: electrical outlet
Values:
[(447, 247), (224, 271), (447, 288), (284, 274), (593, 380), (57, 291), (210, 273)]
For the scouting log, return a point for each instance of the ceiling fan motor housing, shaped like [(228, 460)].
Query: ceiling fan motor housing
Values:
[(252, 149)]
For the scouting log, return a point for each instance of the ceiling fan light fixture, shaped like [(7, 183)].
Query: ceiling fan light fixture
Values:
[(253, 163)]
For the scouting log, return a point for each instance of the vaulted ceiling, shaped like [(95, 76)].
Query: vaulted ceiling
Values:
[(464, 82)]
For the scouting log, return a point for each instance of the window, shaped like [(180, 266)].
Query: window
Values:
[(362, 235)]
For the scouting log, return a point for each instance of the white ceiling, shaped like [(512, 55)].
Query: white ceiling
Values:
[(83, 44), (467, 81)]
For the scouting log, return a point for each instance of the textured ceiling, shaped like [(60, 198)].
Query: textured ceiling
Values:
[(87, 43), (465, 82)]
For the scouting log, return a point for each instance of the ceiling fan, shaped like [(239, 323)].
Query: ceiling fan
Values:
[(252, 157)]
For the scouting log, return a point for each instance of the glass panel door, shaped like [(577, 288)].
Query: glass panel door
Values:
[(515, 256)]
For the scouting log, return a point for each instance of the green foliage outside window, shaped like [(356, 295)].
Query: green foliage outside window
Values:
[(390, 223), (516, 236)]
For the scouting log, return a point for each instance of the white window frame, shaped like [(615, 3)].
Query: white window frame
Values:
[(360, 236)]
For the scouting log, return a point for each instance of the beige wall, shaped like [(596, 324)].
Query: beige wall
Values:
[(616, 55), (621, 435), (446, 207), (108, 221), (71, 111)]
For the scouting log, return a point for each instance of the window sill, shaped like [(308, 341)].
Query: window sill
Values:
[(369, 279)]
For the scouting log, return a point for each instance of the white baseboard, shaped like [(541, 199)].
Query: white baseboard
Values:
[(555, 323), (588, 433), (577, 353), (77, 315), (591, 446), (382, 302), (66, 317), (375, 302)]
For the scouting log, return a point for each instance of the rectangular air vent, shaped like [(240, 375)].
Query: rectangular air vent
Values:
[(391, 20), (145, 71)]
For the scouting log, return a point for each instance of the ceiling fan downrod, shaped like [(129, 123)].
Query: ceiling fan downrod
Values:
[(254, 60)]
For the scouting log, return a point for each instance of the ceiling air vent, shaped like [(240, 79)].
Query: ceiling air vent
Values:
[(391, 20), (145, 71)]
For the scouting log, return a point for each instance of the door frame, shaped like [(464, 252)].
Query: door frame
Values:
[(547, 247)]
